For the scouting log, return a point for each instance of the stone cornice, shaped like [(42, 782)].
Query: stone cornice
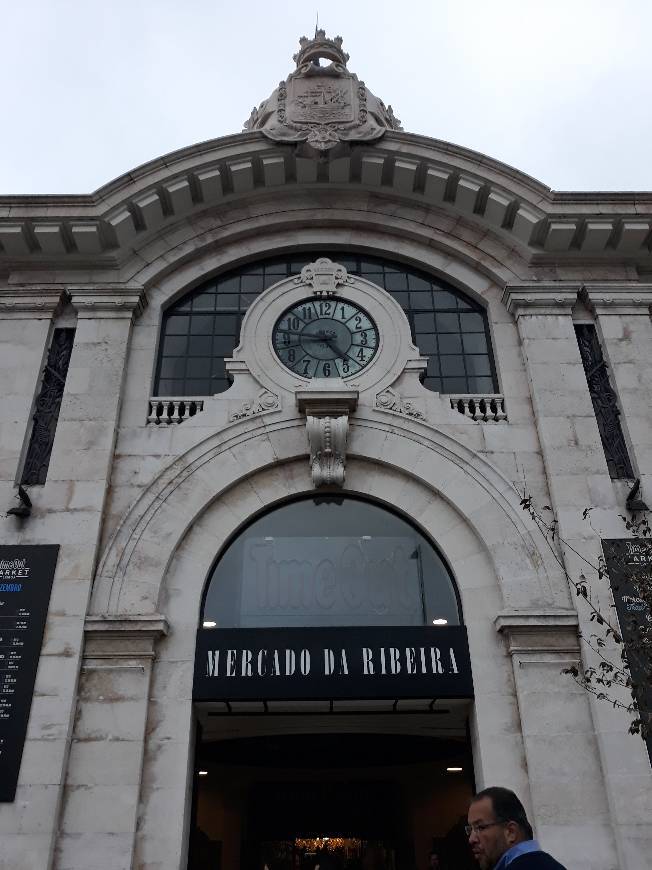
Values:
[(540, 298), (554, 631), (31, 302), (126, 300), (626, 299), (107, 226)]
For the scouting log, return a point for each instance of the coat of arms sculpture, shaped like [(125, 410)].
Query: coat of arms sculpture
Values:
[(322, 106)]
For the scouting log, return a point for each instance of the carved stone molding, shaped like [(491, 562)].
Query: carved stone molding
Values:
[(551, 299), (31, 302), (327, 405), (390, 400), (548, 631), (324, 276), (108, 300), (123, 637), (627, 299), (264, 401)]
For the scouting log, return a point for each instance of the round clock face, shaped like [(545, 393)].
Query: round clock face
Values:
[(325, 338)]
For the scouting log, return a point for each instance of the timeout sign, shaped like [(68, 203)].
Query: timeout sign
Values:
[(329, 663)]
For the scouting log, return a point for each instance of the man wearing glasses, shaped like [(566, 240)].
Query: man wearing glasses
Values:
[(500, 835)]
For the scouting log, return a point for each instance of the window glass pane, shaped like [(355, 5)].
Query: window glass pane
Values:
[(226, 324), (454, 385), (444, 299), (420, 285), (218, 369), (252, 283), (168, 387), (175, 345), (424, 322), (475, 342), (447, 323), (202, 325), (481, 385), (396, 281), (197, 387), (452, 365), (368, 267), (198, 367), (402, 299), (370, 568), (450, 343), (228, 300), (421, 300), (223, 345), (204, 302), (228, 285), (177, 325), (472, 322), (427, 343), (200, 345), (173, 367), (433, 367), (478, 365)]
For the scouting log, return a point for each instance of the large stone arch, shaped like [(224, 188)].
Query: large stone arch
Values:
[(133, 567)]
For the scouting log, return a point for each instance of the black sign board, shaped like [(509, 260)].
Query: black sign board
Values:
[(629, 563), (26, 574), (332, 663)]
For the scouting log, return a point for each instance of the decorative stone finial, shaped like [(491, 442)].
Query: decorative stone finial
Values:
[(322, 107)]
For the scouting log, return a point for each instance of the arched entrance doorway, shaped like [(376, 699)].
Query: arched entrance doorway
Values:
[(332, 685)]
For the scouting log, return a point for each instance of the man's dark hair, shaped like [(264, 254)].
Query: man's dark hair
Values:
[(507, 807)]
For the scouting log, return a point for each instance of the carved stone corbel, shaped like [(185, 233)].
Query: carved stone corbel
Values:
[(327, 405)]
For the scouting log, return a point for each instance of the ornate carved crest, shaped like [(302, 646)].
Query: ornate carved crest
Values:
[(324, 276), (322, 106)]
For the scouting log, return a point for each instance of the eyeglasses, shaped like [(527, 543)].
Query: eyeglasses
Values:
[(479, 827)]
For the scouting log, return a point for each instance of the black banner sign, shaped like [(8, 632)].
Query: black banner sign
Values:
[(330, 663), (26, 574), (629, 563)]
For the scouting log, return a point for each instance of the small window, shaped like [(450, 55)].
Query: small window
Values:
[(46, 410)]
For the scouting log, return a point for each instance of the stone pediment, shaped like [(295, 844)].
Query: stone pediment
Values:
[(322, 107)]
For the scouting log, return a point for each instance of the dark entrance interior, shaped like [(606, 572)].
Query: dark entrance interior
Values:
[(339, 801)]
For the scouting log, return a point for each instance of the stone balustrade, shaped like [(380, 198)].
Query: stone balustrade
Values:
[(171, 410), (484, 408)]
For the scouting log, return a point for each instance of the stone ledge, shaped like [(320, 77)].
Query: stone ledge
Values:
[(124, 300), (550, 299), (553, 631), (624, 299), (32, 301)]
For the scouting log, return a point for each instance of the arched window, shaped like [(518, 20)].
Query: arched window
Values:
[(203, 327), (329, 561)]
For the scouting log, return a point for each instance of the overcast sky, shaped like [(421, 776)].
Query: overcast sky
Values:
[(559, 89)]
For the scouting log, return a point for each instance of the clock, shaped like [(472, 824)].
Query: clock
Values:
[(325, 338)]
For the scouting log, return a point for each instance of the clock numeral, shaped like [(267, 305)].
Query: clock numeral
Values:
[(306, 312), (363, 338), (306, 367), (292, 356), (293, 323), (325, 308), (326, 369), (360, 354), (345, 367)]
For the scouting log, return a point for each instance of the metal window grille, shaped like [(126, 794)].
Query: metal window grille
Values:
[(203, 327), (605, 402), (46, 412)]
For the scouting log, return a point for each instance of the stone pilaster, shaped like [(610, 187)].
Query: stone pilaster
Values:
[(622, 314), (560, 749), (68, 511), (100, 808), (578, 478)]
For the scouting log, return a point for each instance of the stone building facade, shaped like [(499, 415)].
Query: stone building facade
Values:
[(148, 481)]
